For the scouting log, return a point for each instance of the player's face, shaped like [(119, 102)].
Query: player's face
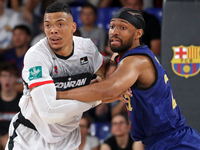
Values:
[(59, 28), (121, 35), (119, 126)]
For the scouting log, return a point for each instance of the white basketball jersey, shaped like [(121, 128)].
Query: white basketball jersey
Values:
[(70, 72)]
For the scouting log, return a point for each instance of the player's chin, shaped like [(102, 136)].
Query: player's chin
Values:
[(56, 48), (115, 49)]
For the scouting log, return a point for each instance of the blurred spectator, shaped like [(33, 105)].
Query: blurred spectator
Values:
[(121, 139), (8, 20), (111, 3), (74, 3), (101, 113), (9, 99), (88, 142), (152, 31), (20, 40), (148, 4), (16, 5), (40, 36), (77, 33), (158, 3), (89, 29), (121, 3), (33, 12), (107, 51)]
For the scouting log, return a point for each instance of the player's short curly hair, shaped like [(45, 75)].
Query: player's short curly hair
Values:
[(58, 7)]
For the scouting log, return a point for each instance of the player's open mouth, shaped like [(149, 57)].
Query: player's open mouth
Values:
[(115, 41), (55, 40)]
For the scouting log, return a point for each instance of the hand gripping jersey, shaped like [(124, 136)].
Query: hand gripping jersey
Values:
[(153, 110), (55, 120)]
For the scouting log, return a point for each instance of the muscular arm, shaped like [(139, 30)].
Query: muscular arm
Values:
[(105, 67), (53, 111), (128, 71)]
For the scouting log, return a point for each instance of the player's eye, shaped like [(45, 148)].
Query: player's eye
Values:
[(47, 25), (123, 28), (60, 24), (111, 27)]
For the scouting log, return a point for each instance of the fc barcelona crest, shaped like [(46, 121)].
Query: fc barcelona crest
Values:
[(186, 60)]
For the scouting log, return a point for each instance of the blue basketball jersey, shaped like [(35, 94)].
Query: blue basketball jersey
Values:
[(152, 110)]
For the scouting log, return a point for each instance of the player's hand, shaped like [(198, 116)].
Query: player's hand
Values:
[(120, 97)]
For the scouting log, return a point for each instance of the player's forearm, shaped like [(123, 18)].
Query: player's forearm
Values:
[(93, 92), (55, 111), (105, 67)]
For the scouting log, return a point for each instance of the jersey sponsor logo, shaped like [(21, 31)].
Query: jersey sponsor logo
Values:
[(70, 82), (35, 73), (186, 60), (84, 60)]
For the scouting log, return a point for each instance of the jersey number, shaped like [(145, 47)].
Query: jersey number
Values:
[(129, 102), (173, 100)]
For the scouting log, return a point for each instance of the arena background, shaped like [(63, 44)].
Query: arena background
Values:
[(181, 26)]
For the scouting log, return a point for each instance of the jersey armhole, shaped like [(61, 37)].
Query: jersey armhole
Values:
[(156, 73)]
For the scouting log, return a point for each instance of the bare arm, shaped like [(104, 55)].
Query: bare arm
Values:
[(124, 77), (101, 72)]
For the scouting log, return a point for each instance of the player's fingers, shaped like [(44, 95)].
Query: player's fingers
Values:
[(123, 99), (128, 92)]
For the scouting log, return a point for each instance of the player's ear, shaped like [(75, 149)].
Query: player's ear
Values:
[(74, 26), (139, 33)]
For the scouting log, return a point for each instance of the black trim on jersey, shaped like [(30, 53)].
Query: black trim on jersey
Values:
[(66, 57), (20, 120), (70, 82), (25, 122), (25, 83), (11, 138), (134, 86), (115, 59)]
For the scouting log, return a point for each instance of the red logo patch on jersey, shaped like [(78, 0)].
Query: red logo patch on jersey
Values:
[(56, 69)]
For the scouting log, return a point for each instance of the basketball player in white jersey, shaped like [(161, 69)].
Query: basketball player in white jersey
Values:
[(58, 62)]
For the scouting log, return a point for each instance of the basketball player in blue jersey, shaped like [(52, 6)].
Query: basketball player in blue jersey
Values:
[(154, 114)]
